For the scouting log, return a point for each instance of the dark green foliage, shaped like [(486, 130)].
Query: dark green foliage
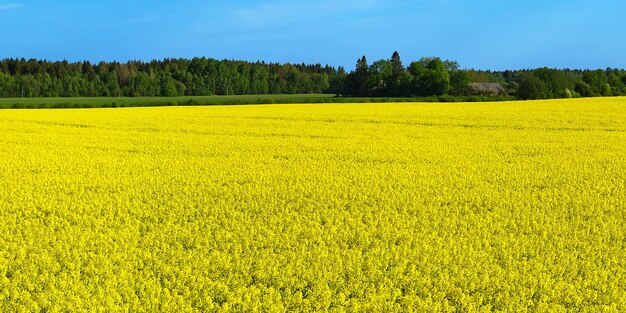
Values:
[(459, 82), (389, 78), (597, 81), (616, 82), (359, 81), (381, 76), (532, 87), (429, 78), (556, 81), (170, 77), (583, 89), (399, 79)]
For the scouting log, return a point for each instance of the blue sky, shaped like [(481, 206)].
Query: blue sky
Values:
[(484, 34)]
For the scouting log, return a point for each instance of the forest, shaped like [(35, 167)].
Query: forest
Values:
[(429, 76)]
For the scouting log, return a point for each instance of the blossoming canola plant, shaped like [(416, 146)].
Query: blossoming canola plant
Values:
[(392, 207)]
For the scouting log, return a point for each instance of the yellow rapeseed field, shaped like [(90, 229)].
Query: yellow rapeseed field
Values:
[(463, 207)]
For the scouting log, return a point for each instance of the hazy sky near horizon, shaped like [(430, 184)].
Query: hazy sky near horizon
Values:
[(484, 34)]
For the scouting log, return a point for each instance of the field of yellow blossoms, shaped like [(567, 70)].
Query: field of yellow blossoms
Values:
[(442, 207)]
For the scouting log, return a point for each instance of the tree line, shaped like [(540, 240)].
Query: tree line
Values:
[(436, 77), (167, 78), (390, 78), (426, 77), (548, 83)]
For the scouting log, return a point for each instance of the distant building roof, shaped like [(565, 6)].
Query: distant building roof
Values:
[(489, 88)]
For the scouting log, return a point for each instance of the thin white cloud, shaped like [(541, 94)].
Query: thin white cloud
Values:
[(10, 6), (274, 11)]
